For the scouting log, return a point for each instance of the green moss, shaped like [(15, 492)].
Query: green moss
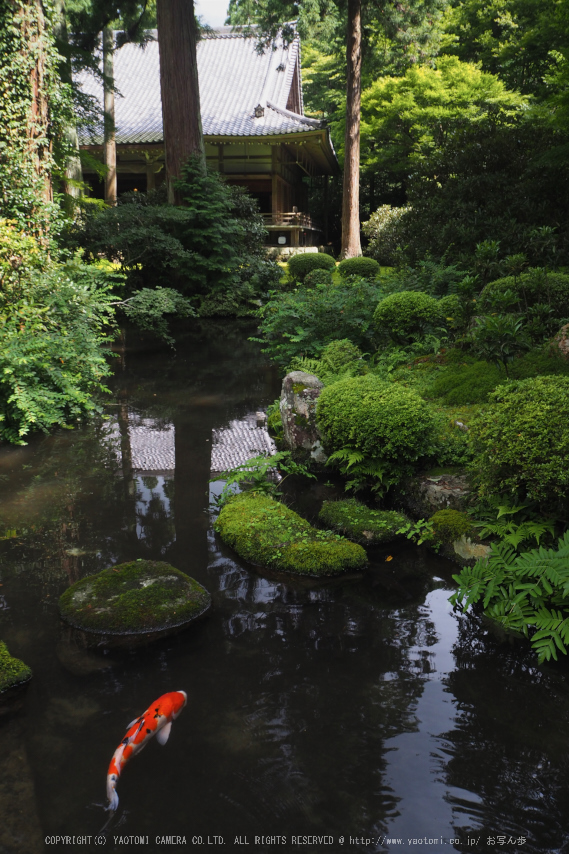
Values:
[(298, 388), (12, 671), (450, 525), (267, 533), (359, 523), (131, 598)]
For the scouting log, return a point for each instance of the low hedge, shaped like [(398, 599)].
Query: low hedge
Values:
[(266, 533), (450, 525), (365, 268), (303, 263), (359, 523)]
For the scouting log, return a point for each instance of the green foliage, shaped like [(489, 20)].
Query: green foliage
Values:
[(319, 276), (149, 309), (519, 532), (419, 532), (255, 474), (536, 286), (499, 338), (54, 320), (450, 525), (357, 522), (305, 262), (382, 426), (406, 315), (301, 323), (384, 231), (210, 249), (32, 115), (12, 671), (525, 593), (339, 360), (266, 533), (366, 268), (521, 442)]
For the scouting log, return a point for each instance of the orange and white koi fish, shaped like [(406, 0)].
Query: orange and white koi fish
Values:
[(155, 721)]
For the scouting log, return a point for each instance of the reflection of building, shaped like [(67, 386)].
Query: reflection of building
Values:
[(152, 446), (252, 115)]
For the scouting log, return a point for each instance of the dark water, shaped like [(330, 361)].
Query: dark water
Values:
[(362, 710)]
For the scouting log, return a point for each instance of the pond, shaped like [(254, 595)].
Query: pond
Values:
[(359, 715)]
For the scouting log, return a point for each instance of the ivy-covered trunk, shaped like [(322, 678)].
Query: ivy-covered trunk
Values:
[(181, 117), (351, 245), (28, 82)]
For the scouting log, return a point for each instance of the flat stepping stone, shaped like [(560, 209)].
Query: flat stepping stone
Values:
[(360, 523), (142, 599), (269, 534)]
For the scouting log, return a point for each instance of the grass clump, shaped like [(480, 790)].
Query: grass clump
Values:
[(358, 522), (131, 598), (266, 533), (12, 671)]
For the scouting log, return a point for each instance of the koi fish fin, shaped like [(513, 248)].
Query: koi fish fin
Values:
[(163, 734), (132, 723), (113, 801)]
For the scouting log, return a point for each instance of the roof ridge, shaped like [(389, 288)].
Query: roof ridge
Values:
[(318, 123)]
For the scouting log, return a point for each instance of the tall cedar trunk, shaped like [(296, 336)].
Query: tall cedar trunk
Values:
[(351, 245), (110, 147), (181, 118)]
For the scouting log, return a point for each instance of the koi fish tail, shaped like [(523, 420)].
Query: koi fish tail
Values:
[(112, 793)]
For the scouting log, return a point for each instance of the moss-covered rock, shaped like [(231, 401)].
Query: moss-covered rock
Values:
[(13, 672), (142, 597), (450, 525), (360, 523), (266, 533)]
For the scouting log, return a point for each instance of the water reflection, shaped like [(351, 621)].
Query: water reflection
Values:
[(358, 707)]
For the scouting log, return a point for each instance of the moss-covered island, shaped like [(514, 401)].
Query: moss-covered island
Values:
[(266, 533), (140, 597), (13, 672), (361, 524)]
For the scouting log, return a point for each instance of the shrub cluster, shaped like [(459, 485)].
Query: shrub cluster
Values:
[(303, 263), (381, 420), (529, 289), (266, 533), (521, 442)]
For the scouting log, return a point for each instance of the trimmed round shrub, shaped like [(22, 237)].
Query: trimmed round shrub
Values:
[(303, 263), (521, 442), (365, 268), (535, 286), (358, 522), (379, 419), (450, 525), (266, 533), (318, 277), (403, 315)]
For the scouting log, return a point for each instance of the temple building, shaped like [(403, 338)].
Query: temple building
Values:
[(254, 127)]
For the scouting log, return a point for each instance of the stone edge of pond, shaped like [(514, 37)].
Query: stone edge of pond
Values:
[(143, 632), (253, 541), (338, 515)]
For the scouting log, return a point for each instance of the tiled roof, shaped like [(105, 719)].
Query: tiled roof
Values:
[(233, 78)]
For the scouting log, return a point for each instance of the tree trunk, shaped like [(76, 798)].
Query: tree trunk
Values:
[(181, 117), (351, 245), (110, 146), (73, 176)]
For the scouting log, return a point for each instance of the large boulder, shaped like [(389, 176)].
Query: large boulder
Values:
[(424, 494), (137, 601), (300, 391)]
